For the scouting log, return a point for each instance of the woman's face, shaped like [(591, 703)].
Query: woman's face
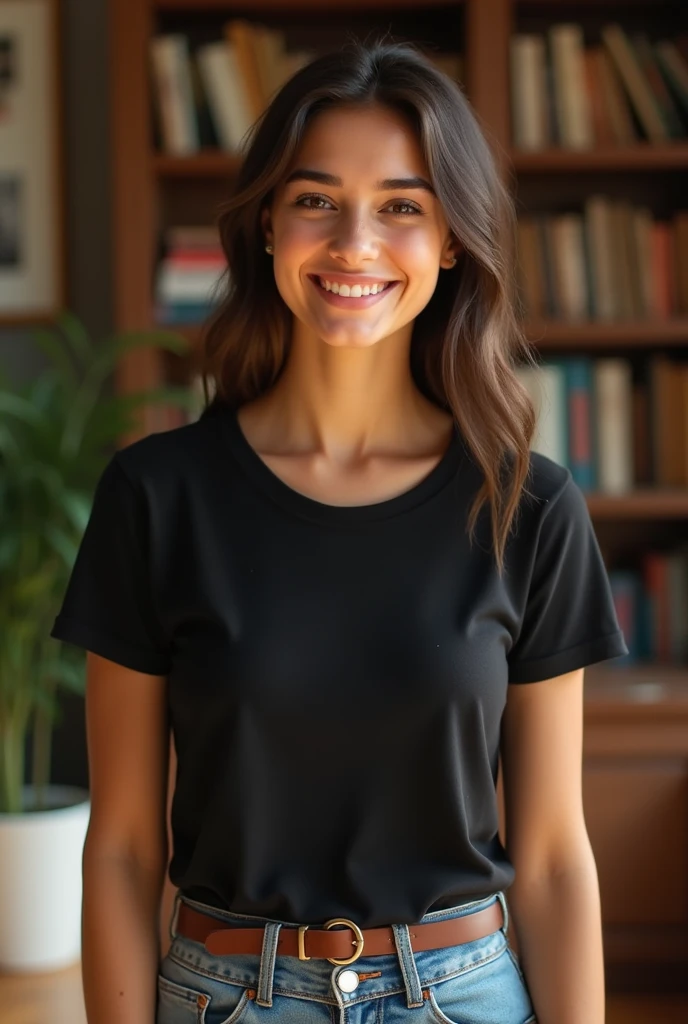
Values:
[(359, 235)]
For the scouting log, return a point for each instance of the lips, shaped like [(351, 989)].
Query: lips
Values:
[(352, 300)]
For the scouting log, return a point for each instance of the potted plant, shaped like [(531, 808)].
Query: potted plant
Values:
[(56, 435)]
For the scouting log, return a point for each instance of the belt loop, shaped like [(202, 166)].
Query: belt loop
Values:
[(407, 962), (172, 927), (505, 927), (267, 963)]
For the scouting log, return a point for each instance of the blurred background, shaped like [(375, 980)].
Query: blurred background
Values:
[(116, 149)]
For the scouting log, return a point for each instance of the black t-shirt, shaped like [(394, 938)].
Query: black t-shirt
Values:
[(337, 674)]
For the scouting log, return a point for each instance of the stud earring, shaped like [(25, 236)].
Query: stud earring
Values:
[(453, 261), (270, 249)]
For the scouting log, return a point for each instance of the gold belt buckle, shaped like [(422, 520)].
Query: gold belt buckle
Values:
[(358, 941)]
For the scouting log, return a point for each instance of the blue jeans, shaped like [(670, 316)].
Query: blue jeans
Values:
[(478, 982)]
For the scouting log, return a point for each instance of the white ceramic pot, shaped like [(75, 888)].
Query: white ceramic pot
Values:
[(41, 882)]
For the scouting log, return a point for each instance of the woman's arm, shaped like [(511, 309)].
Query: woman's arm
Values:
[(125, 854), (555, 897), (169, 891)]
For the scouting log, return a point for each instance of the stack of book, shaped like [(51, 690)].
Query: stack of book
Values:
[(612, 261), (210, 95), (651, 601), (621, 89), (616, 430), (189, 276)]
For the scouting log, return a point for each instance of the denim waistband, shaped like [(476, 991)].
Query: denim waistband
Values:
[(404, 971)]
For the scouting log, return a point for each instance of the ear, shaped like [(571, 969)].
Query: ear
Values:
[(266, 225), (451, 250)]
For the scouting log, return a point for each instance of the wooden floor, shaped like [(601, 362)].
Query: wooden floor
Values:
[(56, 997)]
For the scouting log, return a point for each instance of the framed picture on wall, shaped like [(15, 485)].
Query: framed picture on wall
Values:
[(32, 256)]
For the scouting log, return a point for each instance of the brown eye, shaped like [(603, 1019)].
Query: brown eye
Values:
[(404, 209), (312, 202)]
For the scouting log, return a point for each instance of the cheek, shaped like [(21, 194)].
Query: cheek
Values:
[(299, 236), (416, 249), (417, 254)]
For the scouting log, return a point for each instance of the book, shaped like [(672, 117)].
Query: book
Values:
[(173, 94), (226, 94), (637, 87), (529, 120), (570, 90), (614, 422), (546, 386), (570, 266), (580, 413), (240, 34), (598, 227)]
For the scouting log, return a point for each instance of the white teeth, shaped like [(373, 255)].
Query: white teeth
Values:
[(354, 291)]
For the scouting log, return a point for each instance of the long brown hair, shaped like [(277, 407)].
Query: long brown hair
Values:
[(466, 339)]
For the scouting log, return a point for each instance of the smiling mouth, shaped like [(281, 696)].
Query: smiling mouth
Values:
[(354, 291)]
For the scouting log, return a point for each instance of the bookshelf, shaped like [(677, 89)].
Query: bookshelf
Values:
[(153, 190)]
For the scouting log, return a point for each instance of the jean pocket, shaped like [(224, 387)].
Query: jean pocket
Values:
[(486, 993), (210, 1003)]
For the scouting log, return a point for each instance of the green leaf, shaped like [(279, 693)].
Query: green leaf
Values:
[(76, 336), (55, 352), (15, 405), (61, 543), (70, 676)]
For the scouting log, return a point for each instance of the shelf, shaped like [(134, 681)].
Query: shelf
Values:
[(294, 6), (641, 157), (646, 690), (209, 163), (553, 4), (553, 334), (213, 162), (645, 503)]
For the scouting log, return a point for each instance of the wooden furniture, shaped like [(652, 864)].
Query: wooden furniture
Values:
[(636, 770), (635, 789)]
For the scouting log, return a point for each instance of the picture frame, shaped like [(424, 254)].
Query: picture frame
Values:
[(32, 242)]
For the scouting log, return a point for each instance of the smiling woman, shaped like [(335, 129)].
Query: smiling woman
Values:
[(325, 583), (407, 189)]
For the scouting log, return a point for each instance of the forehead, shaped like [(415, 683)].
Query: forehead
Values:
[(371, 141)]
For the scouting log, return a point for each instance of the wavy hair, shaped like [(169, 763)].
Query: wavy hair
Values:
[(466, 340)]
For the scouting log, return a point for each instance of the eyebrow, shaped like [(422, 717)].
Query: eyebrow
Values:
[(387, 185)]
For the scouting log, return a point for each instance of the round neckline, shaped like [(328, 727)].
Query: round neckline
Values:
[(310, 508)]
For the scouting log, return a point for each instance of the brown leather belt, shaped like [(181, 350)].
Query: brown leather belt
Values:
[(308, 942)]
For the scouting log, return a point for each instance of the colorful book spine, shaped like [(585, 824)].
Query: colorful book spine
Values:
[(580, 409)]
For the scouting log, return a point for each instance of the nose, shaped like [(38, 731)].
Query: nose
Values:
[(355, 241)]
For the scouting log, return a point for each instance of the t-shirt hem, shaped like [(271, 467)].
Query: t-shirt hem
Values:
[(601, 648), (81, 634)]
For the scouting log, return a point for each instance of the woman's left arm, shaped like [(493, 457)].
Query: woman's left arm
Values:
[(555, 899)]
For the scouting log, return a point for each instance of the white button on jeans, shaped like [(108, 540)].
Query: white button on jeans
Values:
[(347, 981)]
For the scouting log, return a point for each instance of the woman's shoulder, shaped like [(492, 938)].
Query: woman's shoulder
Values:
[(550, 492), (189, 450)]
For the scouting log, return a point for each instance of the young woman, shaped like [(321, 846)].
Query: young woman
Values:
[(334, 586)]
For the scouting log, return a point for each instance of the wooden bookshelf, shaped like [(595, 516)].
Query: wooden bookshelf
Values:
[(641, 157), (636, 718)]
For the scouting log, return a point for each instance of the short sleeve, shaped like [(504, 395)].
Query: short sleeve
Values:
[(108, 607), (569, 620)]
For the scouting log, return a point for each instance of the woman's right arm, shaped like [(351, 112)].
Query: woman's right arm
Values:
[(125, 853)]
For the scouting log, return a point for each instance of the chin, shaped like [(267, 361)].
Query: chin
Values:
[(350, 339)]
